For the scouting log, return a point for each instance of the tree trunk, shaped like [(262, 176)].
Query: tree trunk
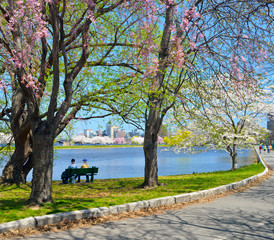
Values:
[(156, 112), (234, 161), (27, 167), (151, 165), (13, 171), (43, 147), (233, 154), (152, 129)]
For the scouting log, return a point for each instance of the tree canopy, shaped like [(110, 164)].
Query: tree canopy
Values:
[(137, 59), (49, 50), (222, 115)]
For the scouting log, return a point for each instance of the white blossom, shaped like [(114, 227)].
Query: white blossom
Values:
[(5, 138), (137, 140)]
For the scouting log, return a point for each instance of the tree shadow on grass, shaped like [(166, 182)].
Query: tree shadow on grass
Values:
[(13, 204)]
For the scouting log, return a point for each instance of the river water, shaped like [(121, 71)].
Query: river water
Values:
[(129, 161)]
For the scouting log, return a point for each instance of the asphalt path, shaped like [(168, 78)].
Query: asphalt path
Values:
[(245, 215)]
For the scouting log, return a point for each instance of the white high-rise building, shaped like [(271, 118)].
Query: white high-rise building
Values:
[(112, 130), (89, 133)]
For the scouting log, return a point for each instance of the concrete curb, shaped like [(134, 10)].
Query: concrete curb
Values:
[(128, 207)]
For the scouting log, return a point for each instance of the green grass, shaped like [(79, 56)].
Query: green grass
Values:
[(109, 192), (11, 148), (95, 146), (100, 146)]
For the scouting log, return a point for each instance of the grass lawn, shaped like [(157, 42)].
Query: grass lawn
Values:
[(102, 146), (94, 146), (108, 192), (11, 148)]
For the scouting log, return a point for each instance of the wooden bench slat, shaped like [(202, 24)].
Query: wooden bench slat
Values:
[(68, 173)]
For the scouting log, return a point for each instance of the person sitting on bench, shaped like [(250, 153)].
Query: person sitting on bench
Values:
[(73, 178), (73, 164), (85, 165)]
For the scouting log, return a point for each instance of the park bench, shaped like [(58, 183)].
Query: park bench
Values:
[(70, 173)]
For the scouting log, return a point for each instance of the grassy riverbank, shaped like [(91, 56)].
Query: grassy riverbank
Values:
[(11, 148), (108, 192), (94, 146), (101, 146)]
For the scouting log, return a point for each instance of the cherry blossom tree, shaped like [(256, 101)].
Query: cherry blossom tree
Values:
[(119, 140), (198, 39), (4, 138), (101, 140), (143, 51), (160, 140), (49, 50), (81, 138), (225, 115), (137, 140)]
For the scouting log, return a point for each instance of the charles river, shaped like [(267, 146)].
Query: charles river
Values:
[(129, 161)]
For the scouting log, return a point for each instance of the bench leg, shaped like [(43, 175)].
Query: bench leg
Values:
[(72, 179), (65, 180)]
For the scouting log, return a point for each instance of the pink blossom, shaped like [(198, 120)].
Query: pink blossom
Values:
[(90, 3), (160, 140), (243, 58), (192, 45), (181, 99), (2, 84), (119, 140)]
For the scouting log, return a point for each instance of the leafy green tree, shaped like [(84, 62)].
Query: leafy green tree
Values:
[(50, 50), (178, 139), (164, 131)]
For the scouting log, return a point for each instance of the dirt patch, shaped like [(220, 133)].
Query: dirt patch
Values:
[(82, 223)]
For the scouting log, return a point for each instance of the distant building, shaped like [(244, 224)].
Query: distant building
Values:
[(121, 133), (134, 133), (89, 133), (111, 131), (104, 133), (99, 132)]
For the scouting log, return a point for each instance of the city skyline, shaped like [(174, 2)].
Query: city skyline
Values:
[(97, 124), (110, 130), (100, 124)]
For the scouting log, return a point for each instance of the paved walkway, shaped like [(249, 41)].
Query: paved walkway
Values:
[(247, 215)]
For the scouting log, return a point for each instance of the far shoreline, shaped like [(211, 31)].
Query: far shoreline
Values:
[(98, 146)]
